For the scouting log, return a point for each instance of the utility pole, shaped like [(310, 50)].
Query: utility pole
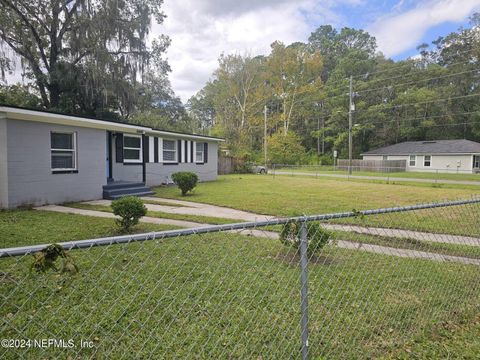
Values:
[(265, 134), (323, 136), (350, 109)]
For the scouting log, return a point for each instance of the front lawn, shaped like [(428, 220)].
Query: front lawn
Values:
[(287, 196), (231, 296), (31, 227), (431, 175)]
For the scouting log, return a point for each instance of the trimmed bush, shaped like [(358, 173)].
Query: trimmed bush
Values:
[(185, 180), (317, 236), (130, 209)]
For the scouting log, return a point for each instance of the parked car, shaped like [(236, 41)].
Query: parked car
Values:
[(258, 169)]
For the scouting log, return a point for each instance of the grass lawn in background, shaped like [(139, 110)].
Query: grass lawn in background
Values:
[(290, 196), (433, 175)]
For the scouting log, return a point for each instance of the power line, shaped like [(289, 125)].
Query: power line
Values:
[(422, 102), (416, 81), (422, 118), (407, 64)]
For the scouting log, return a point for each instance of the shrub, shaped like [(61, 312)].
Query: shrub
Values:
[(317, 236), (186, 181), (130, 209)]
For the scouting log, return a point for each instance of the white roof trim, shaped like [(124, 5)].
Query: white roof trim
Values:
[(61, 119), (182, 136)]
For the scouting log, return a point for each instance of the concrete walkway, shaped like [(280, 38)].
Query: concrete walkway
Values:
[(192, 208), (407, 253), (103, 214), (377, 249), (366, 177), (409, 234)]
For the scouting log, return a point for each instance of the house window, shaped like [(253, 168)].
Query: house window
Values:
[(63, 147), (132, 148), (427, 161), (476, 161), (199, 153), (169, 151), (385, 157), (413, 161)]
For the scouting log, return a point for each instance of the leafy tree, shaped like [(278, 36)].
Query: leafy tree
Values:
[(83, 56), (285, 148), (19, 95)]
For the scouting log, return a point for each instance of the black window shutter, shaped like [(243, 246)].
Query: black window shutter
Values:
[(155, 149), (186, 150), (119, 148), (192, 152), (146, 146), (205, 153), (179, 147)]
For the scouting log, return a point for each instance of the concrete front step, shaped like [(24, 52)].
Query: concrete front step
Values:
[(122, 184), (119, 189), (113, 197)]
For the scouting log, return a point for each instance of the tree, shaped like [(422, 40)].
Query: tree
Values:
[(19, 95), (285, 148), (83, 56), (293, 73)]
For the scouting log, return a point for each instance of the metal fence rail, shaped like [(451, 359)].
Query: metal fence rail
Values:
[(357, 284)]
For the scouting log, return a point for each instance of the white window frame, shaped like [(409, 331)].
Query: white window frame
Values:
[(414, 161), (135, 161), (385, 157), (74, 151), (197, 152), (429, 160), (175, 151)]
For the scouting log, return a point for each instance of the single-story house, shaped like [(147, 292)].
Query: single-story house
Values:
[(462, 156), (49, 158)]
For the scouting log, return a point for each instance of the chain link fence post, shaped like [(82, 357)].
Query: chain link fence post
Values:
[(304, 288)]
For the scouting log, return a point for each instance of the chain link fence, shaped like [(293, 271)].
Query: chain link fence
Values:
[(359, 284)]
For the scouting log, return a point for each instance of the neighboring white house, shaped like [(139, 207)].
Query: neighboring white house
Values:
[(462, 156)]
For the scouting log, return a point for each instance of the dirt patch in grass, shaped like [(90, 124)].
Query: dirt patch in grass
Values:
[(293, 259)]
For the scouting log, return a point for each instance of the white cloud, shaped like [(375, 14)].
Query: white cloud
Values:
[(202, 30), (404, 31)]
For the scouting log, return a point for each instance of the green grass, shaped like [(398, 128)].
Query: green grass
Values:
[(433, 175), (230, 296), (160, 214), (30, 227), (164, 203), (287, 196)]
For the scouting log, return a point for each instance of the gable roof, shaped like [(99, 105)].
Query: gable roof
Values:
[(20, 113), (429, 147)]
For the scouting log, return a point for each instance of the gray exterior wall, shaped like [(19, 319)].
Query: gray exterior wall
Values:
[(3, 164), (30, 178), (158, 173), (129, 172)]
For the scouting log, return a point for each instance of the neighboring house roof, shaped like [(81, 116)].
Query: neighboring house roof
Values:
[(444, 147), (19, 113)]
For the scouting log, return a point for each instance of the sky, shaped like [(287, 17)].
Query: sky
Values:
[(201, 30)]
